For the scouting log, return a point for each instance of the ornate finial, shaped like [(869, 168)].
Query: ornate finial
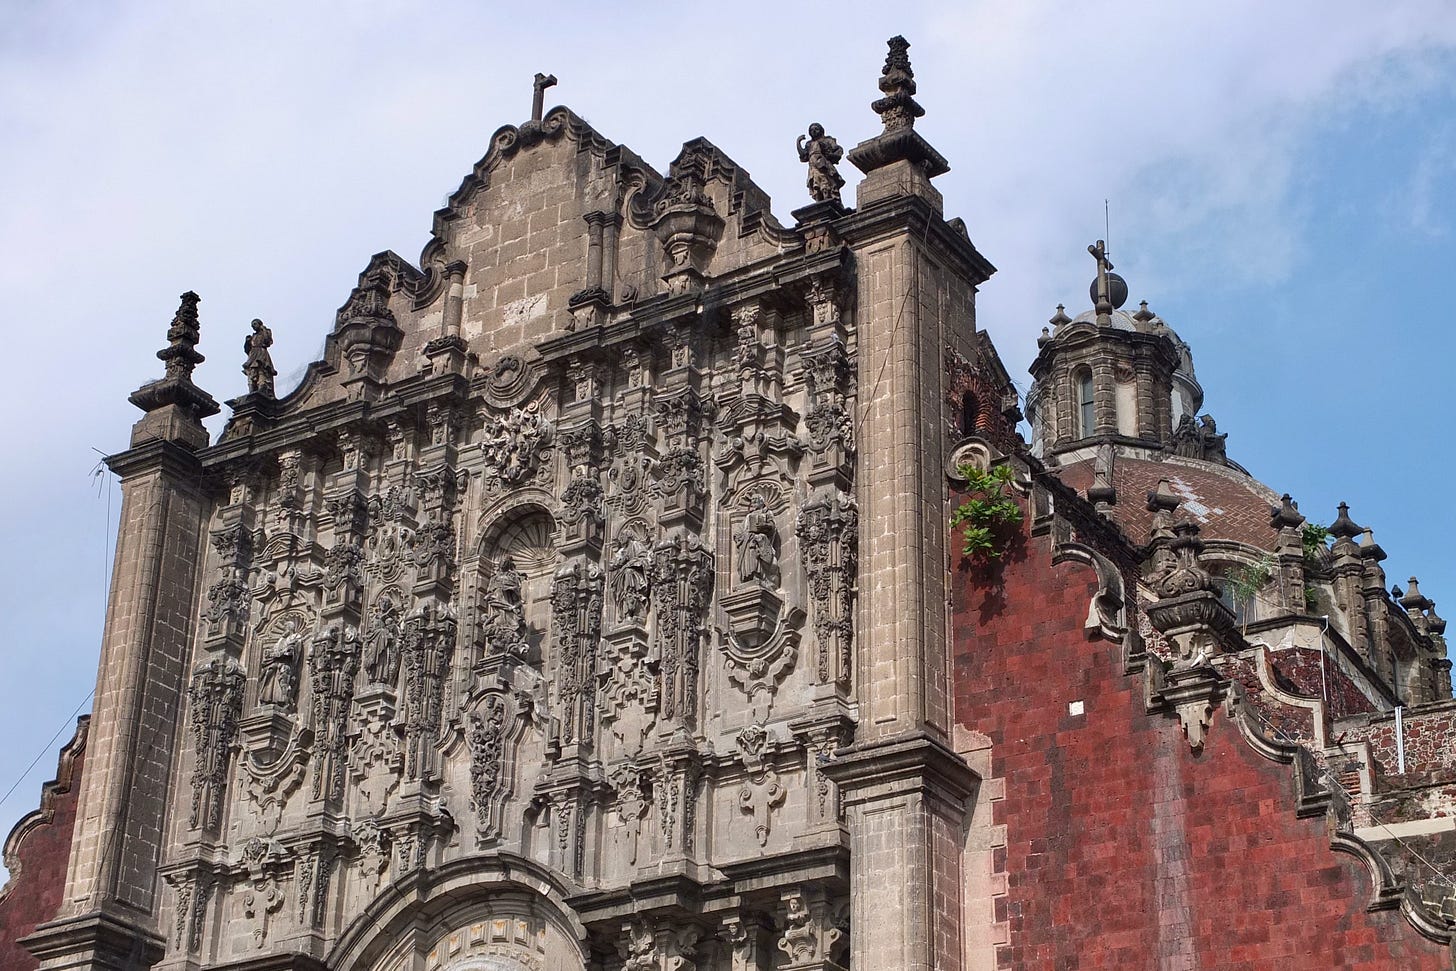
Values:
[(1369, 549), (538, 95), (1143, 315), (1413, 599), (259, 364), (899, 142), (1286, 514), (822, 153), (1060, 317), (180, 355), (1344, 527), (1163, 498), (898, 108), (1435, 623), (1187, 575), (1045, 338)]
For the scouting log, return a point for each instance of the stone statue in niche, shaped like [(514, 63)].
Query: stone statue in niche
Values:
[(756, 540), (822, 154), (259, 364), (629, 578), (278, 678), (505, 610), (381, 647)]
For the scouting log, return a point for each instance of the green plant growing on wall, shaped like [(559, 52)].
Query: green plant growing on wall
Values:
[(1245, 582), (983, 517), (1314, 537)]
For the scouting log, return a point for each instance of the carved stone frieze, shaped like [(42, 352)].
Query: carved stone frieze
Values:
[(262, 896), (372, 844), (648, 944), (576, 627), (228, 600), (427, 640), (634, 802), (813, 938), (828, 533), (333, 664), (682, 585), (216, 699)]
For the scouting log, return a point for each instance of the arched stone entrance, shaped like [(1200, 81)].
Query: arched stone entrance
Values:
[(482, 913)]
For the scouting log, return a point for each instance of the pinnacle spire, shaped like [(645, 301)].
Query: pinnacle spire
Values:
[(180, 356), (898, 109)]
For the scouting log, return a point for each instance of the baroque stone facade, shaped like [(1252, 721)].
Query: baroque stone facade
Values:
[(591, 603)]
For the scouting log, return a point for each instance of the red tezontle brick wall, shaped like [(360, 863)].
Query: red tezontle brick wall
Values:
[(1124, 849), (34, 894)]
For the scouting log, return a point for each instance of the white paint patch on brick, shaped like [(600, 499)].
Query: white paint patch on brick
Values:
[(1200, 511), (1076, 708)]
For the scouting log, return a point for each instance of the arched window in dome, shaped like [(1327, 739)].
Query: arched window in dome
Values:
[(1082, 387)]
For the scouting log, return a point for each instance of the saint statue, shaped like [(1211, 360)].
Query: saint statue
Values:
[(629, 578), (505, 611), (381, 648), (259, 365), (757, 558), (822, 153), (278, 679)]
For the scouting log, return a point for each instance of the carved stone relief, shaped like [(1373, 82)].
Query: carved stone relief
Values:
[(216, 699), (333, 663), (514, 444), (576, 624)]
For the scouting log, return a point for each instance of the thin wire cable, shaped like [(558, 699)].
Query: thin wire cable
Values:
[(1352, 797), (36, 761), (894, 332)]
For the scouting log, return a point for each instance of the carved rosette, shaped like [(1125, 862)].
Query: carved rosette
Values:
[(682, 586), (216, 699), (428, 648), (333, 664), (828, 532), (576, 626)]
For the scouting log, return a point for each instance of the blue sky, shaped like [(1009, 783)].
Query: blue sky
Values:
[(1281, 182)]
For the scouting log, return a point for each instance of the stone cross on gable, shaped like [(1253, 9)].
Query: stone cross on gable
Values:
[(1104, 286), (538, 95)]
